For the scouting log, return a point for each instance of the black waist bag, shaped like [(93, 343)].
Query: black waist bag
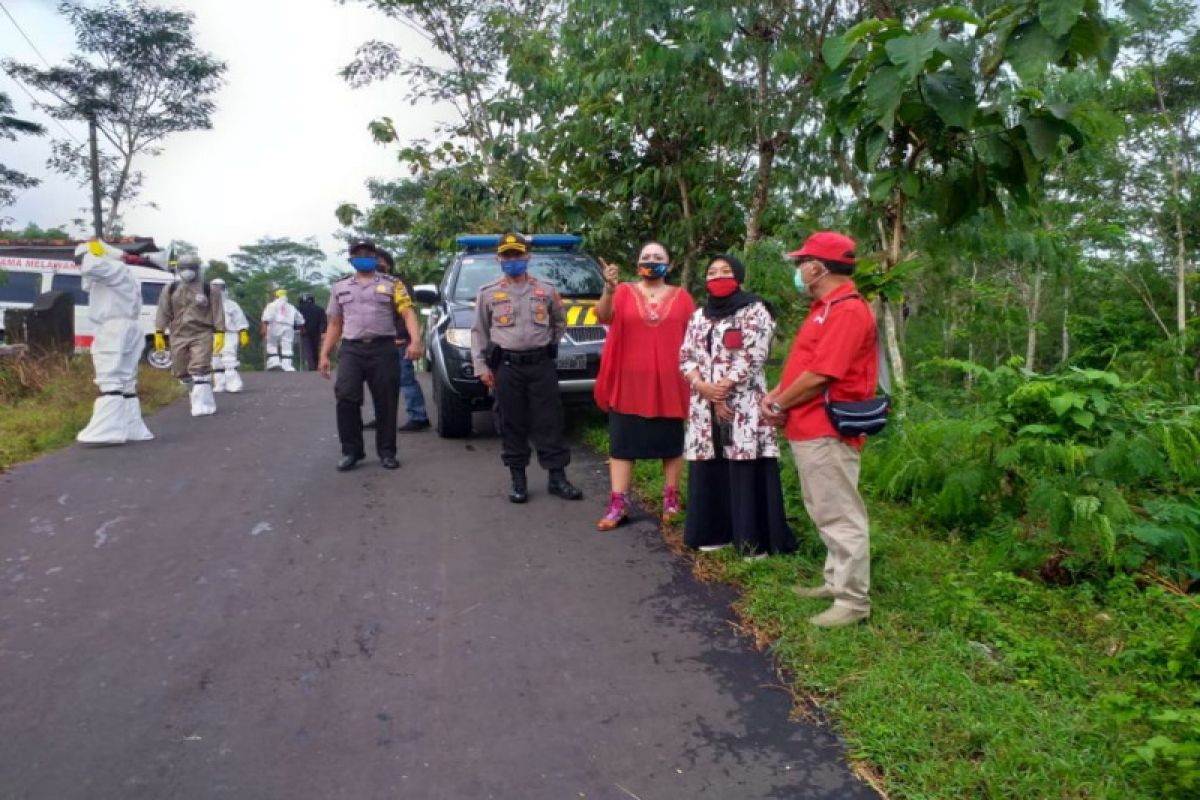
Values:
[(858, 417)]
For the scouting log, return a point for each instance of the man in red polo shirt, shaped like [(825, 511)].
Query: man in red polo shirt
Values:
[(835, 350)]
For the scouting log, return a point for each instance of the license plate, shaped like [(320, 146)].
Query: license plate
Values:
[(571, 363)]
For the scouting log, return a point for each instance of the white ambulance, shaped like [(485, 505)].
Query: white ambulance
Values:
[(27, 269)]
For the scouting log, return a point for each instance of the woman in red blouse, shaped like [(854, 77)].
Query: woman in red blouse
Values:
[(639, 384)]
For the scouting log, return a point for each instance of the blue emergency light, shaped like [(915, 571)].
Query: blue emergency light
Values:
[(476, 242)]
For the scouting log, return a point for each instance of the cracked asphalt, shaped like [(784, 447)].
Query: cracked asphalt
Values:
[(218, 613)]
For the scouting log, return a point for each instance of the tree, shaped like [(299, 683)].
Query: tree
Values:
[(138, 78), (946, 111), (12, 181)]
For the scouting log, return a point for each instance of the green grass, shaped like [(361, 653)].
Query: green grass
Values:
[(44, 404), (970, 681)]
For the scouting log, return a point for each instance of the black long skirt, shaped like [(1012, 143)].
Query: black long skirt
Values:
[(738, 503)]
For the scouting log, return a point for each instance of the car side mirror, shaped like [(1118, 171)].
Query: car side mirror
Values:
[(427, 293)]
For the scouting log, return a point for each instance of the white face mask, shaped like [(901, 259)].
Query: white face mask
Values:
[(188, 275)]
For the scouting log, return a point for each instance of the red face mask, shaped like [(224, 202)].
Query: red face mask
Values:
[(722, 287)]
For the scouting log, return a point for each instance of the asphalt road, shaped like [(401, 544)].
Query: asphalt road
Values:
[(218, 613)]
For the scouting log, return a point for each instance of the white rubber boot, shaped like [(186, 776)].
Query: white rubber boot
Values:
[(203, 402), (273, 360), (108, 424), (233, 380), (218, 378), (287, 364), (136, 430)]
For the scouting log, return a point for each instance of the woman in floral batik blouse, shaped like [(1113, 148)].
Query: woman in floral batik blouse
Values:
[(734, 493)]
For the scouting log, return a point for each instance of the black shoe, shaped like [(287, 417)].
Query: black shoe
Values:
[(346, 463), (414, 425), (389, 462), (369, 426), (562, 487), (520, 489)]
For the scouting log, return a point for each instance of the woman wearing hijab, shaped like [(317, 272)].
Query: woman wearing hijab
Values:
[(734, 494), (639, 383)]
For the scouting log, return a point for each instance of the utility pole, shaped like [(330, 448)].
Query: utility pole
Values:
[(93, 146)]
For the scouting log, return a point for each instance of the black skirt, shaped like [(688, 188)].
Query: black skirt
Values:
[(631, 437), (738, 503)]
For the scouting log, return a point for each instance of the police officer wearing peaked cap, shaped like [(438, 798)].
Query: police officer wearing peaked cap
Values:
[(514, 342), (362, 317)]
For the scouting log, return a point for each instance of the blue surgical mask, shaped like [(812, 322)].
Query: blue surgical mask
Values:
[(364, 263), (514, 267), (798, 280)]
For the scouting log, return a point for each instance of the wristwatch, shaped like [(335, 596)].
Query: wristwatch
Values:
[(775, 408)]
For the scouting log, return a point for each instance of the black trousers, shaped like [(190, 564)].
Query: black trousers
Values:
[(377, 365), (310, 347), (528, 406)]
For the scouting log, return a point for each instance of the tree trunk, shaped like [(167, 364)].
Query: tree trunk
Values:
[(1032, 310), (118, 195), (892, 342), (893, 234), (1066, 331), (1181, 265), (94, 154)]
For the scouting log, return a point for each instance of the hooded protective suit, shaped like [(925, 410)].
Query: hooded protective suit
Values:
[(114, 306), (195, 316), (225, 362), (281, 319)]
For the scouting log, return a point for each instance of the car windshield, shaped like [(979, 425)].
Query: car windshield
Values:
[(573, 274)]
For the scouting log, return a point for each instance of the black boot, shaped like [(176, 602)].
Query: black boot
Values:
[(562, 487), (520, 490)]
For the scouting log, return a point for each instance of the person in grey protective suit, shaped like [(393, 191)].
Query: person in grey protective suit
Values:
[(237, 332), (115, 302), (195, 316)]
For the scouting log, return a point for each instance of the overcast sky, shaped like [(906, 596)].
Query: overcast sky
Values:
[(289, 139)]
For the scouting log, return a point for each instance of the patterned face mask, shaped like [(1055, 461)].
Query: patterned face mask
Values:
[(652, 269)]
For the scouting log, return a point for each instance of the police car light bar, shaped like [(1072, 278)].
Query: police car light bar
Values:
[(540, 241)]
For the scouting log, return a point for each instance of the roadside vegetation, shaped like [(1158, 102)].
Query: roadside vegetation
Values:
[(977, 677), (45, 402)]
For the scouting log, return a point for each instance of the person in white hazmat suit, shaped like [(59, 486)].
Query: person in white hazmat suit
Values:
[(279, 322), (114, 305), (237, 332), (195, 317)]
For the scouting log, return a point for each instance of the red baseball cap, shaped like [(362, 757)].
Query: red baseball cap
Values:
[(827, 246)]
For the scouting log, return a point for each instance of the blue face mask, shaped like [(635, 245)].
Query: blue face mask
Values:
[(514, 267), (798, 280), (364, 263)]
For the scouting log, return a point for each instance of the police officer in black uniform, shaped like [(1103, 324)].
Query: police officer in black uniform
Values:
[(518, 324), (362, 317)]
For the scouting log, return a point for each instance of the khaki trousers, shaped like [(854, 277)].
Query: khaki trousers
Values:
[(828, 471)]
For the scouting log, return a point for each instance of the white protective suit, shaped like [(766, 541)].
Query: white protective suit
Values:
[(281, 319), (114, 307), (225, 363)]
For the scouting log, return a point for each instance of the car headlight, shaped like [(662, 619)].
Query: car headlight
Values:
[(459, 337)]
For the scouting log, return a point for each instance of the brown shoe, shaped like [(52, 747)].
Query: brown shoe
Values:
[(838, 616)]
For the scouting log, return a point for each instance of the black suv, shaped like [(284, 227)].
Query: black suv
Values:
[(555, 259)]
